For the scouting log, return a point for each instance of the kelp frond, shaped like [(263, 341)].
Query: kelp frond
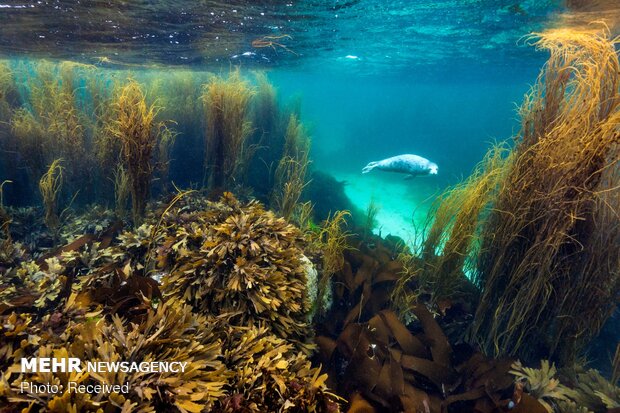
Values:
[(548, 265), (136, 130), (292, 169), (332, 242), (121, 191), (226, 103), (50, 185)]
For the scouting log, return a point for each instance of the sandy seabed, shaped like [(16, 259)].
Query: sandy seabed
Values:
[(403, 204)]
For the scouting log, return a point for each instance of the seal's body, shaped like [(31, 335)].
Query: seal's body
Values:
[(412, 165)]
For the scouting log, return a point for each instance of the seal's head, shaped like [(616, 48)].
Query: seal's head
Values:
[(432, 169)]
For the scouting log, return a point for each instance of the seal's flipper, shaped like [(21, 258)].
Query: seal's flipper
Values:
[(369, 167)]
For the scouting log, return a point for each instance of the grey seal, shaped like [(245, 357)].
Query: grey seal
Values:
[(412, 165)]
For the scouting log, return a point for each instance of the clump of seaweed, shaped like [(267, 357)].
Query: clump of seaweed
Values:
[(394, 370), (227, 151), (10, 251), (292, 168), (98, 298), (586, 391), (382, 364), (240, 259), (138, 133), (56, 122), (268, 122), (445, 254), (595, 392), (542, 383), (32, 141), (269, 374), (179, 94), (7, 91), (332, 242), (170, 332), (371, 217), (548, 266), (121, 191), (453, 237), (164, 153), (59, 110), (409, 286), (106, 147), (268, 137), (50, 185), (302, 216)]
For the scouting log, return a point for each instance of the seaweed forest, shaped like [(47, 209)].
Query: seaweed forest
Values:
[(177, 215)]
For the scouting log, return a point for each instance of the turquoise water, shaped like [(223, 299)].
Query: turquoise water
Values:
[(369, 80), (450, 118)]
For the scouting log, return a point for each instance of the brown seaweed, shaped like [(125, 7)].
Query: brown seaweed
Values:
[(548, 266), (95, 299), (381, 364)]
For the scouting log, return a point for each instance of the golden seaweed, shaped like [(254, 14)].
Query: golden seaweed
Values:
[(292, 169), (138, 133), (548, 266), (243, 260), (50, 185), (121, 191), (226, 103), (332, 242), (7, 91)]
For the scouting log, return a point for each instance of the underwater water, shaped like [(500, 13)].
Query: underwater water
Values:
[(450, 118), (438, 79), (183, 182)]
